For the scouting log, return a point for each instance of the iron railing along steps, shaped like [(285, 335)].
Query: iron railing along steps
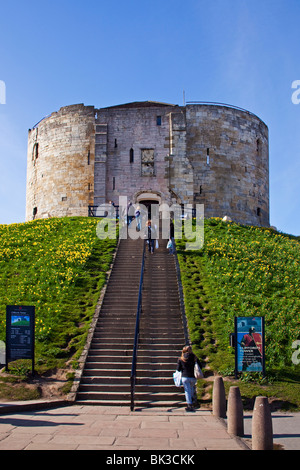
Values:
[(161, 334)]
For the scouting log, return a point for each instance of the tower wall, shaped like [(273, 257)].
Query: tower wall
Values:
[(201, 153), (229, 152), (60, 164), (137, 147)]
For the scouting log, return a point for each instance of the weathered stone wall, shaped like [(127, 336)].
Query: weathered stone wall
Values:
[(137, 144), (60, 164), (228, 149), (181, 175)]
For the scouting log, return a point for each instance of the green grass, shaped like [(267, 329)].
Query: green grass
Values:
[(59, 266), (245, 271)]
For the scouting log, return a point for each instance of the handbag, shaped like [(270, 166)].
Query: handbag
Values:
[(177, 377), (197, 371)]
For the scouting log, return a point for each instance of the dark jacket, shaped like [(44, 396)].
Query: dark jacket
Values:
[(187, 366), (150, 233)]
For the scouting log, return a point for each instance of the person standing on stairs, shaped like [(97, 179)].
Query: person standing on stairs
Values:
[(151, 236), (137, 215), (185, 365), (170, 247), (129, 213)]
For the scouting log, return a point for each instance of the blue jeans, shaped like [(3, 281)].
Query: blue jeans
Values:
[(151, 245), (189, 388)]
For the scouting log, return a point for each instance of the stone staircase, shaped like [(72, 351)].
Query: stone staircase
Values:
[(161, 333), (106, 376)]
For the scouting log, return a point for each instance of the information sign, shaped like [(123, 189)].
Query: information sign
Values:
[(20, 322), (250, 344)]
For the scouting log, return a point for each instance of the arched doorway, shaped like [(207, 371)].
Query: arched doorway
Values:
[(149, 199)]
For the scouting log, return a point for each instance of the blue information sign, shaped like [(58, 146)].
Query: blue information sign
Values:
[(20, 322), (249, 344)]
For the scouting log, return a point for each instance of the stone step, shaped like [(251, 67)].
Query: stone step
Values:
[(108, 373), (111, 352), (116, 365), (108, 359), (154, 373), (142, 359), (124, 396), (120, 303), (97, 347), (104, 381), (120, 319), (102, 351), (102, 335), (127, 342), (120, 387), (138, 403), (125, 379)]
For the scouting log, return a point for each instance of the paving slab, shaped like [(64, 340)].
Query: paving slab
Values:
[(113, 428)]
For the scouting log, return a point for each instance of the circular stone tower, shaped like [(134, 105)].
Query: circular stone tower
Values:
[(202, 153), (60, 164)]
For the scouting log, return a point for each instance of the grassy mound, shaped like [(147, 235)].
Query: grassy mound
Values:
[(59, 266), (244, 271)]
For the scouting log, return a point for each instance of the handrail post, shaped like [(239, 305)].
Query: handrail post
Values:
[(136, 335)]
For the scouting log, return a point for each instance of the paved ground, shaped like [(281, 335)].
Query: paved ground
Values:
[(113, 429), (286, 429)]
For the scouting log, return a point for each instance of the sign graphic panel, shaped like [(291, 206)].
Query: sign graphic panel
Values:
[(249, 344), (19, 332)]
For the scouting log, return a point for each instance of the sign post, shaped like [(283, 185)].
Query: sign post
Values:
[(249, 344), (20, 323)]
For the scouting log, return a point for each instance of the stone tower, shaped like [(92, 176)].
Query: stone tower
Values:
[(211, 154)]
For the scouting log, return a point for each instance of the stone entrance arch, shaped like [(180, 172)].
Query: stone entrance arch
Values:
[(151, 200), (148, 196)]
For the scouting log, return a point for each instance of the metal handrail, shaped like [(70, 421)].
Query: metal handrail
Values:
[(226, 105), (92, 211), (136, 335)]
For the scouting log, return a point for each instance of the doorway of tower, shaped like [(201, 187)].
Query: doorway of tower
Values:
[(150, 211)]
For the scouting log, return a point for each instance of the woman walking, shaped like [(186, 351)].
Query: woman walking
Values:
[(185, 365)]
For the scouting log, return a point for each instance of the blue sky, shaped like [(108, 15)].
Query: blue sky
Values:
[(106, 52)]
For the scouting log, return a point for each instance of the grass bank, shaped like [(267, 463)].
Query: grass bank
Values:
[(245, 271), (60, 267)]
